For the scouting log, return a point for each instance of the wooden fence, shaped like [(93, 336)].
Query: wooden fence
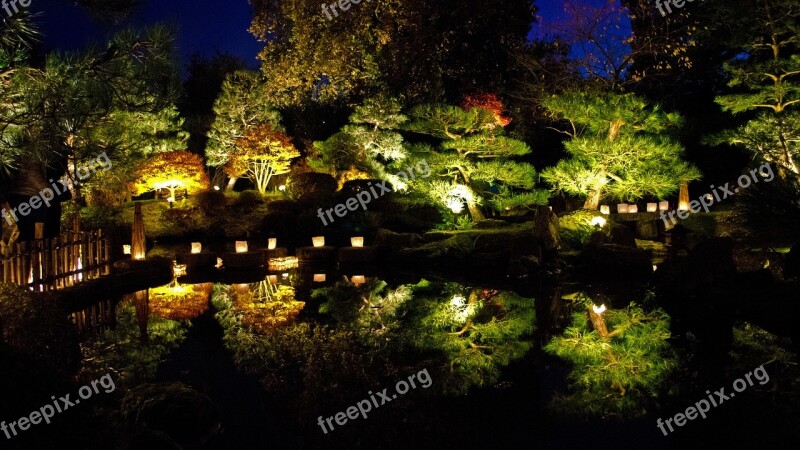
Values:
[(56, 263)]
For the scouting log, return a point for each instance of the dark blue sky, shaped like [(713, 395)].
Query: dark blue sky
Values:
[(203, 26)]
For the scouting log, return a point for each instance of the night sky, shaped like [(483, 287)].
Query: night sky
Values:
[(203, 26)]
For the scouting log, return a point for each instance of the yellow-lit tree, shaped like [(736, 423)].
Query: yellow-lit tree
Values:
[(260, 154), (172, 171)]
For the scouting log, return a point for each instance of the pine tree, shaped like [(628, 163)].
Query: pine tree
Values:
[(241, 106), (618, 147), (766, 79), (366, 145), (619, 363), (476, 159)]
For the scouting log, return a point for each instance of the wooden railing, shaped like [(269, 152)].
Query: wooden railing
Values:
[(56, 263)]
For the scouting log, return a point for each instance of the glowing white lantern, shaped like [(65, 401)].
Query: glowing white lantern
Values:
[(126, 249), (357, 241), (633, 209), (652, 207), (663, 206), (622, 208), (604, 209), (197, 247), (358, 279), (241, 246), (319, 278), (318, 241), (598, 222), (272, 243)]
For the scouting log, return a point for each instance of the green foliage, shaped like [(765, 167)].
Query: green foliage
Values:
[(121, 352), (370, 309), (766, 78), (618, 148), (240, 107), (618, 375), (477, 331), (575, 228), (367, 144), (477, 158), (314, 364), (38, 328)]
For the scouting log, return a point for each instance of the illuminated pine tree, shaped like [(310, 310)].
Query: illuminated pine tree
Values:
[(476, 159), (619, 148)]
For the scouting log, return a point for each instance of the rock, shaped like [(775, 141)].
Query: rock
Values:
[(546, 228), (597, 239), (396, 241), (621, 235), (189, 418)]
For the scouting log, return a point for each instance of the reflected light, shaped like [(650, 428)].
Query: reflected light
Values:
[(599, 310)]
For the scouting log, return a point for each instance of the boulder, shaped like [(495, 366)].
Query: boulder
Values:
[(621, 235), (394, 242), (545, 228)]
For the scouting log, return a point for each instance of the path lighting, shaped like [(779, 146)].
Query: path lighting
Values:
[(357, 241), (241, 246), (318, 241), (598, 221)]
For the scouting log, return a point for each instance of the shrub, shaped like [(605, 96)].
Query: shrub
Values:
[(576, 227), (180, 220), (249, 200), (308, 186), (211, 202), (37, 328), (282, 206)]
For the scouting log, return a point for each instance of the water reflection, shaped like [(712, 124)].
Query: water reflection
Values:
[(177, 301), (268, 304)]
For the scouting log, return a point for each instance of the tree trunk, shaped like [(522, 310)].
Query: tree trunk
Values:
[(138, 243), (683, 197), (231, 183), (593, 200), (475, 211), (598, 322)]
